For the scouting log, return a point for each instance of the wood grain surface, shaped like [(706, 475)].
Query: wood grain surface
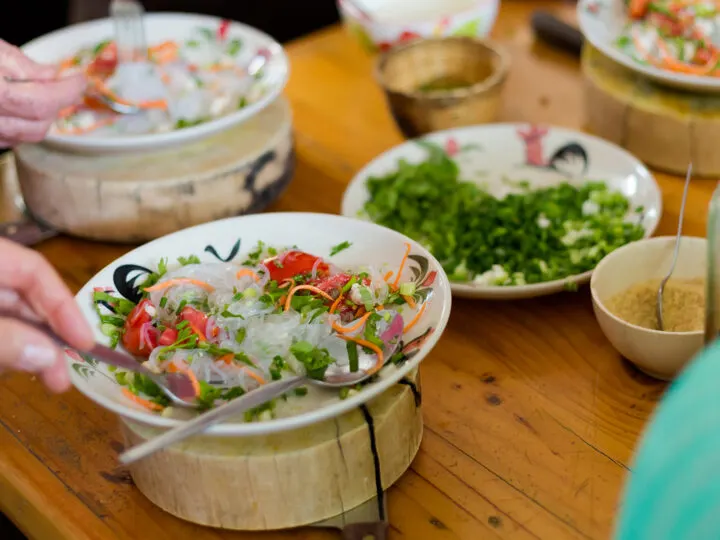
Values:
[(530, 415)]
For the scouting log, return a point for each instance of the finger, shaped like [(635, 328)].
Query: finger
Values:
[(19, 130), (12, 302), (40, 100), (18, 65), (28, 273), (26, 349)]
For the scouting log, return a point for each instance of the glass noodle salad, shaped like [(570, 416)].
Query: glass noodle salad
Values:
[(233, 328), (679, 36), (181, 84)]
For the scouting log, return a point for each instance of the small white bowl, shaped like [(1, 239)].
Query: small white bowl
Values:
[(386, 23), (659, 354)]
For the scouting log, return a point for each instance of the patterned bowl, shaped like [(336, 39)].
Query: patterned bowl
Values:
[(382, 24), (230, 241)]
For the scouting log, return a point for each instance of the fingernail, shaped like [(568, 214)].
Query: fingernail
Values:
[(36, 358)]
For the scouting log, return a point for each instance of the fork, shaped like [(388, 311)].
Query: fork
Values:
[(127, 16)]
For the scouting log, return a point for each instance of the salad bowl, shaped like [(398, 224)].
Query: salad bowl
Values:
[(335, 240), (243, 45)]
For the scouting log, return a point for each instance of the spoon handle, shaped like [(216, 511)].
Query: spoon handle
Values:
[(239, 405)]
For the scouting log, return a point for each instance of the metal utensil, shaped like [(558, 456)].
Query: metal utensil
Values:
[(127, 16), (176, 386), (661, 288), (336, 376), (362, 522)]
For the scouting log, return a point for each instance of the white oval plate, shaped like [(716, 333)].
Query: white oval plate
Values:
[(487, 153), (603, 21), (55, 46), (233, 239)]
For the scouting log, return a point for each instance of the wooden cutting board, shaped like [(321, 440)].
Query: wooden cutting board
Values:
[(138, 197), (664, 127)]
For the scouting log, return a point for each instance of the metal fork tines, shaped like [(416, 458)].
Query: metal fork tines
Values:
[(127, 16)]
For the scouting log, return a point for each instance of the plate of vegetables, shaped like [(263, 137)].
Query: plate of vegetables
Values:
[(241, 302), (674, 42), (510, 210), (202, 75)]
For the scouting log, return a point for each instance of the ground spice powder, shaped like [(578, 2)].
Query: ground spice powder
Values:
[(683, 304)]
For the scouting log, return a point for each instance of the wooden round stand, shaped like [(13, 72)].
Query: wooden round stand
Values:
[(138, 197), (288, 479), (664, 127)]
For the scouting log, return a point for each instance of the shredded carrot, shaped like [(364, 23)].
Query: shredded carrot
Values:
[(247, 272), (306, 288), (388, 276), (377, 350), (215, 331), (228, 358), (409, 300), (200, 335), (361, 310), (416, 318), (285, 283), (180, 281), (336, 303), (402, 265), (282, 299), (345, 329), (254, 375), (140, 401)]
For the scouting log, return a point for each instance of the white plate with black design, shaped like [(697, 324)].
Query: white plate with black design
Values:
[(497, 158), (228, 243)]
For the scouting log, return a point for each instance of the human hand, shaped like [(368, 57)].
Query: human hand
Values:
[(31, 287), (31, 96)]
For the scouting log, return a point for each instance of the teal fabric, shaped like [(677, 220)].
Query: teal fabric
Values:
[(673, 492)]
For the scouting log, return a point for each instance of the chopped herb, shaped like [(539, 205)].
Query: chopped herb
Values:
[(242, 102), (254, 414), (240, 335), (192, 259), (234, 47), (315, 360), (352, 356), (344, 392), (229, 314), (192, 43), (276, 368), (340, 247), (302, 391), (163, 301), (100, 47), (370, 333)]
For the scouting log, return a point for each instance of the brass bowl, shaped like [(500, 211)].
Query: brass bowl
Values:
[(442, 83)]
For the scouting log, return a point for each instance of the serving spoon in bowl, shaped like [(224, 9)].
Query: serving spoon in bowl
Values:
[(336, 376)]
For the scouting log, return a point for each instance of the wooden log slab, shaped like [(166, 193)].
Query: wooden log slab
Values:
[(664, 127), (137, 197), (285, 480)]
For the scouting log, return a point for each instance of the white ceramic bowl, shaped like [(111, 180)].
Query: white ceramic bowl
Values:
[(55, 46), (386, 23), (233, 239), (659, 354), (543, 156)]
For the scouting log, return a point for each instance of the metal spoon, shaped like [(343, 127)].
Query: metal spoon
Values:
[(176, 386), (335, 377), (661, 289)]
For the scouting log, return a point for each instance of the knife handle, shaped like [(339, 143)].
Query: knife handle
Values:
[(557, 33), (366, 531)]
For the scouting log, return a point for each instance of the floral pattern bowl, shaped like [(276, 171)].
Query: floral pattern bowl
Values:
[(231, 241), (380, 25)]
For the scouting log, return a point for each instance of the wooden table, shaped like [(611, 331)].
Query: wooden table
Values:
[(530, 415)]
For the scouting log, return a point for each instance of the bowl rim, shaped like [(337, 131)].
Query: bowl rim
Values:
[(608, 260), (176, 137), (289, 423), (496, 78), (348, 8)]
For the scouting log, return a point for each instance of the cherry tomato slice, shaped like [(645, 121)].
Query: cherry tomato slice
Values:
[(105, 62), (131, 338), (196, 318), (295, 263), (168, 337)]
